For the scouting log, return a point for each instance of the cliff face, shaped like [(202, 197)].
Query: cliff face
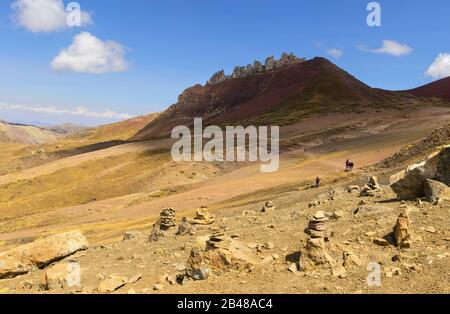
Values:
[(256, 68), (283, 93)]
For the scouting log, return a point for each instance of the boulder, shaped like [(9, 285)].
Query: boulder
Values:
[(371, 210), (131, 235), (112, 283), (40, 253), (60, 276), (185, 227), (436, 192), (203, 217), (222, 254), (410, 183)]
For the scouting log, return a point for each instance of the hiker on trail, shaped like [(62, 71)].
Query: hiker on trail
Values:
[(317, 182)]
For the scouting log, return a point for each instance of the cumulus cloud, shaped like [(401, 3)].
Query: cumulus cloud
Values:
[(335, 53), (44, 15), (89, 54), (390, 47), (79, 111), (440, 68)]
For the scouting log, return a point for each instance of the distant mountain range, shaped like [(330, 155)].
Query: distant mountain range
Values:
[(279, 92), (27, 134)]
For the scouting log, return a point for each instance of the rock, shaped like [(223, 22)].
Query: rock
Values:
[(131, 235), (270, 63), (268, 246), (111, 284), (203, 217), (131, 291), (436, 192), (158, 287), (393, 271), (338, 214), (268, 207), (409, 184), (60, 276), (402, 231), (351, 260), (339, 272), (381, 242), (222, 254), (156, 232), (135, 279), (293, 267), (372, 210), (430, 229), (217, 77), (185, 228), (352, 188), (40, 253), (372, 188)]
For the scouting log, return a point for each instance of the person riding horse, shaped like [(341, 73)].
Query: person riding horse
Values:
[(349, 165)]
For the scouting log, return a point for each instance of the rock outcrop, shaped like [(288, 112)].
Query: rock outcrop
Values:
[(40, 253), (256, 68), (410, 183), (436, 192)]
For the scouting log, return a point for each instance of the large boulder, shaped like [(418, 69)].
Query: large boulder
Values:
[(40, 253), (410, 183), (222, 254), (436, 192)]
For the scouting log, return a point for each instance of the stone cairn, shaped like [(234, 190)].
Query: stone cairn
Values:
[(165, 222), (203, 217), (402, 231), (316, 251), (167, 217), (372, 188)]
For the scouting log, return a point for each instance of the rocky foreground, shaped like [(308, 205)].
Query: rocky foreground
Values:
[(353, 235)]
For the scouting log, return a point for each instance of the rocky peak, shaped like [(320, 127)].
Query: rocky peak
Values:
[(256, 68)]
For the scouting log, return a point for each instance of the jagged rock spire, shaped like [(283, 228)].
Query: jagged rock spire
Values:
[(256, 68)]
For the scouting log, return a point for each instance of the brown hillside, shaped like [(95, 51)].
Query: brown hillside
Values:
[(282, 96), (439, 89)]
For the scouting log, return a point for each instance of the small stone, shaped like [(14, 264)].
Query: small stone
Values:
[(131, 291), (293, 267), (319, 215), (381, 242), (268, 246), (111, 284), (158, 287), (135, 278), (339, 272), (430, 229)]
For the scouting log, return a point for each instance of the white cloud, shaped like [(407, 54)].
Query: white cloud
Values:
[(89, 54), (79, 111), (440, 68), (44, 15), (336, 53), (390, 47)]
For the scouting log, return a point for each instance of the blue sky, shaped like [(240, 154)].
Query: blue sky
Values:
[(165, 46)]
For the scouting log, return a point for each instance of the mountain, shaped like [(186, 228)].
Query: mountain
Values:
[(67, 128), (439, 89), (27, 134), (279, 92)]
